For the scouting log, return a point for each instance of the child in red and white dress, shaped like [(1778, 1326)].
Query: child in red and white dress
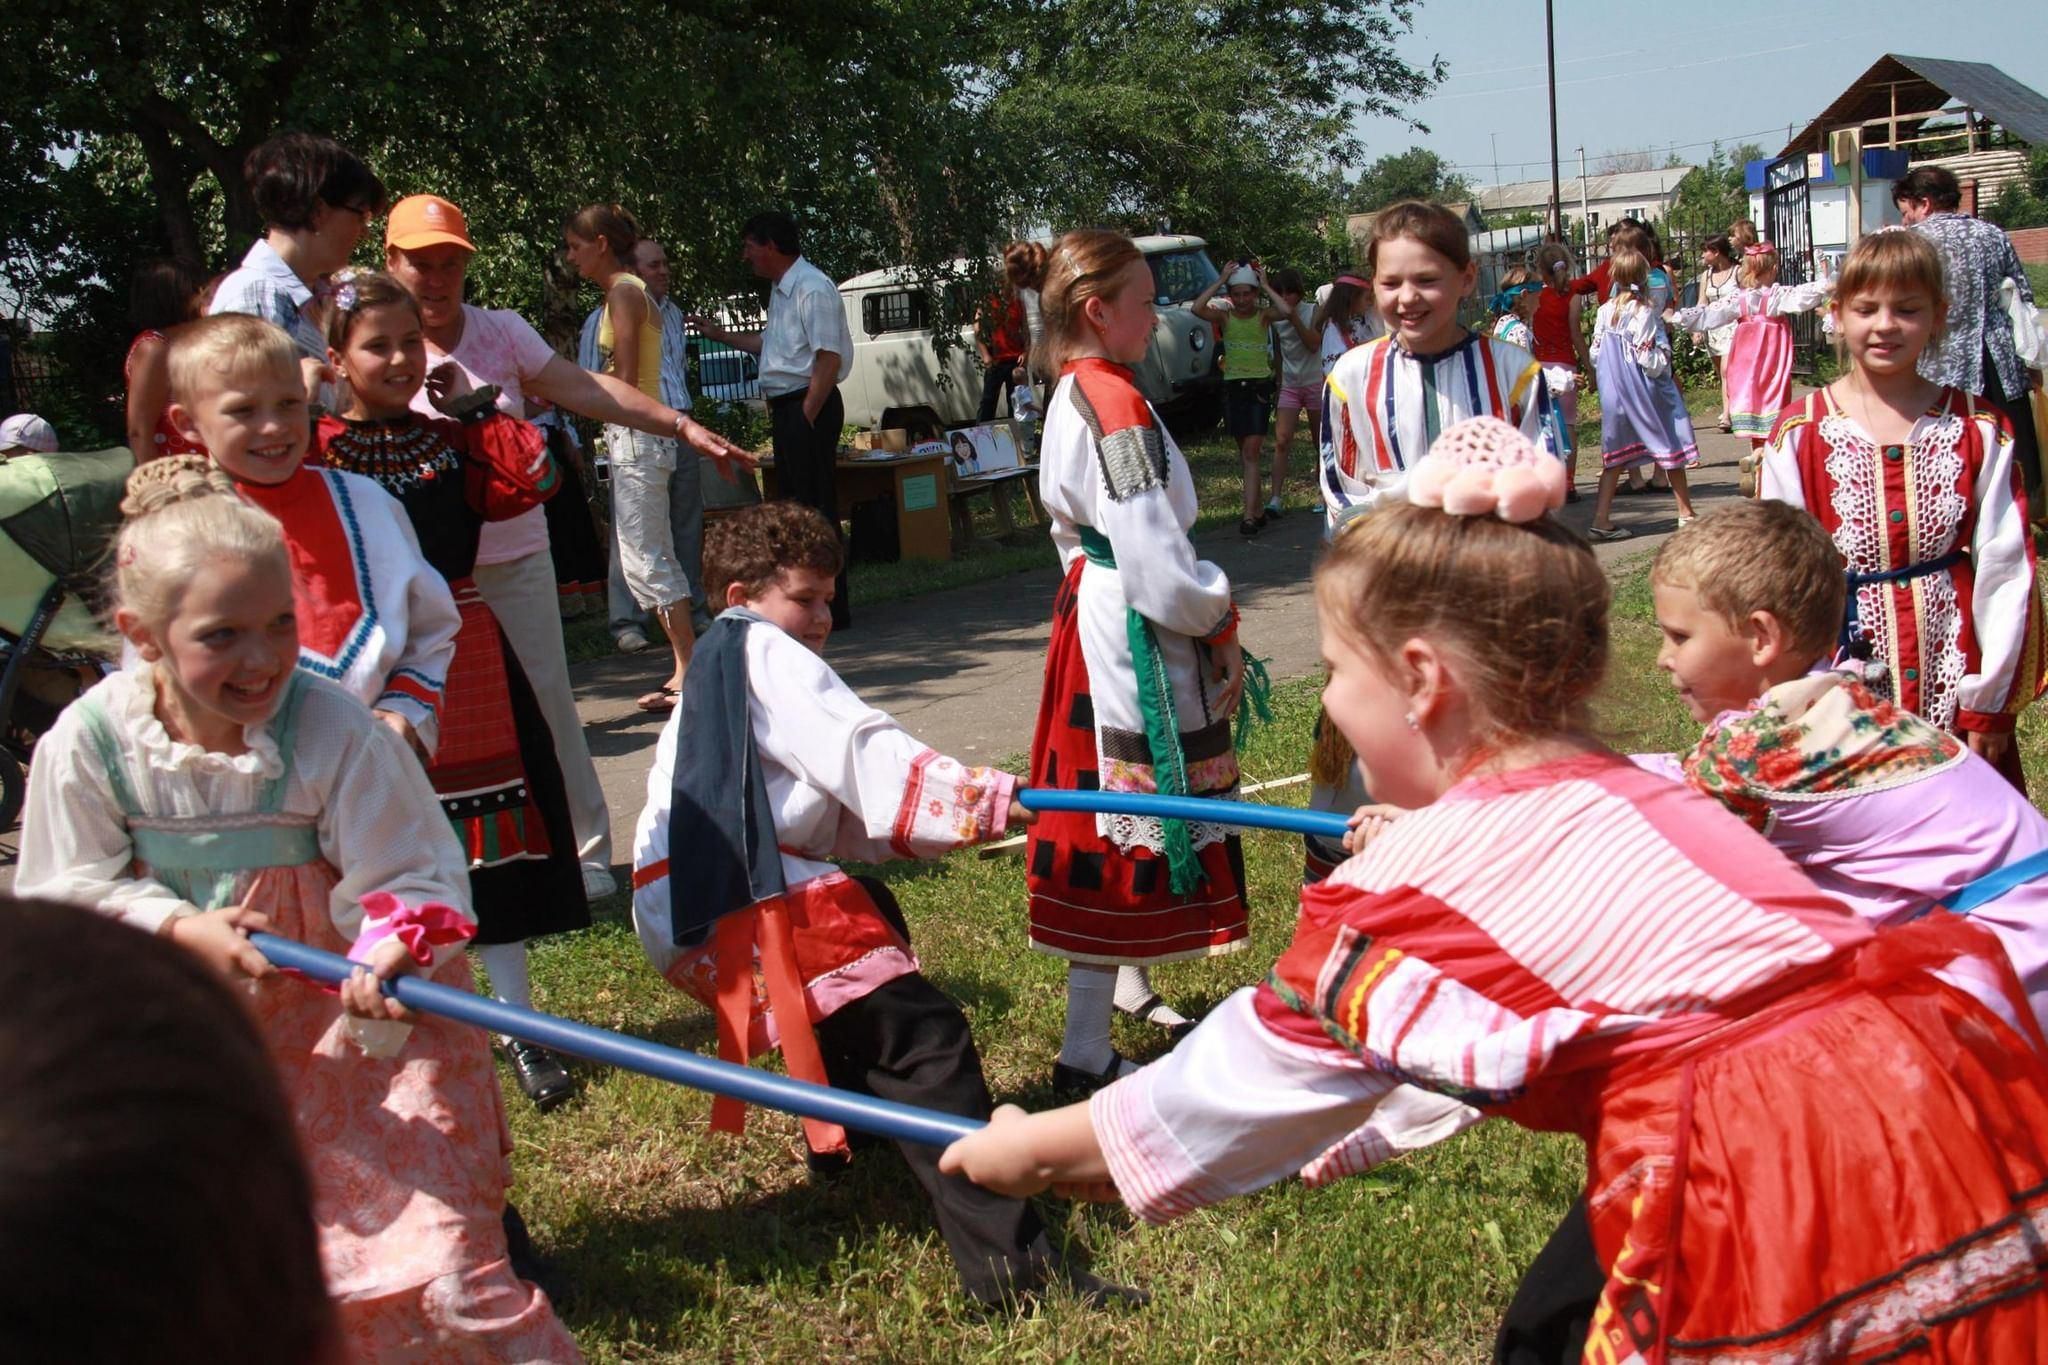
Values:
[(1142, 674), (1758, 370), (1919, 488), (374, 616), (1798, 1137), (770, 769), (212, 788)]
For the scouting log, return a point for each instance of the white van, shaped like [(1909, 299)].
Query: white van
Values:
[(896, 366)]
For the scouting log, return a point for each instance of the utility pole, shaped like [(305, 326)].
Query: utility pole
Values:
[(1550, 54), (1493, 139), (1585, 214)]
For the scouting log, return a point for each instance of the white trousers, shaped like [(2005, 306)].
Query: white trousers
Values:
[(522, 593)]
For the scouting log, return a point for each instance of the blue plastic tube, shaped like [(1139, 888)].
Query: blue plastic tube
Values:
[(1329, 824), (884, 1118)]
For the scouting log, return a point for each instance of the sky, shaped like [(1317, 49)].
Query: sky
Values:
[(1736, 70)]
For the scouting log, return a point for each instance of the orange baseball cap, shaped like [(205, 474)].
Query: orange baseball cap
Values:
[(426, 220)]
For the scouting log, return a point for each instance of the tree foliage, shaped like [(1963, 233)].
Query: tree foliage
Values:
[(900, 131), (2024, 202), (1713, 196), (1417, 173)]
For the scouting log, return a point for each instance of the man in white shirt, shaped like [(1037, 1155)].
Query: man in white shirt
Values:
[(806, 351)]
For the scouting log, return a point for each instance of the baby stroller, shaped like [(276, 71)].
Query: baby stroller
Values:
[(57, 515)]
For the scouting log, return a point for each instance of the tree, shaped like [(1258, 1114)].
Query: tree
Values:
[(1713, 196), (1417, 173), (1223, 119), (2024, 202), (1615, 163), (901, 132)]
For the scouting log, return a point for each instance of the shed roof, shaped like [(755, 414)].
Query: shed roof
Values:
[(1535, 194), (1926, 83)]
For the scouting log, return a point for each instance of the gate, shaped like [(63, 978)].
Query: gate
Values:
[(1788, 225)]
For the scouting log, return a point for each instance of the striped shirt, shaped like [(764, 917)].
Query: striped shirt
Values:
[(1383, 407), (1519, 930)]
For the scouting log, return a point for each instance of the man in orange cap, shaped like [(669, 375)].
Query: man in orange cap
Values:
[(427, 247)]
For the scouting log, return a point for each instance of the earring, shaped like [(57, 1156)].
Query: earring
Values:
[(1412, 723)]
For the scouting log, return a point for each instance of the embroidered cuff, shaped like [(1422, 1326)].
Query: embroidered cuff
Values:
[(422, 928), (1985, 722), (1225, 630), (473, 406)]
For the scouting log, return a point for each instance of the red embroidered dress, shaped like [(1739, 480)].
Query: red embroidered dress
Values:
[(1801, 1144), (495, 768), (1130, 701), (1935, 536)]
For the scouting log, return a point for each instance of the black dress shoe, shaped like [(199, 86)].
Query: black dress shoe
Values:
[(541, 1074), (1072, 1083)]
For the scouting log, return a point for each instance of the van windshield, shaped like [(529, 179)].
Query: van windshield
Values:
[(1178, 276)]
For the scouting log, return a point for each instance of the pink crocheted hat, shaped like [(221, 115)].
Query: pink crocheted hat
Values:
[(1483, 466)]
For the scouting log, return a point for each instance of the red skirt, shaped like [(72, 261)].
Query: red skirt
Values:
[(1090, 900), (1856, 1172), (496, 774)]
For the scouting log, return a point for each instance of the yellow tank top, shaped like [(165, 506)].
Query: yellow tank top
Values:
[(648, 381)]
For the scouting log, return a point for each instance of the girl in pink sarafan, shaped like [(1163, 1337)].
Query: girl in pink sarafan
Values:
[(1797, 1134), (211, 789), (1758, 371)]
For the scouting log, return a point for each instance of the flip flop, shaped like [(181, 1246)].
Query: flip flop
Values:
[(1597, 533), (661, 699)]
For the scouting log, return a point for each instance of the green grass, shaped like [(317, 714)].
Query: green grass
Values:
[(682, 1246), (2038, 276)]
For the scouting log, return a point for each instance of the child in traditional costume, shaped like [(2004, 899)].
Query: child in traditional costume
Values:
[(495, 766), (768, 769), (1642, 413), (1881, 808), (210, 789), (373, 615), (1386, 401), (1142, 676), (1919, 489), (1758, 370), (1799, 1138)]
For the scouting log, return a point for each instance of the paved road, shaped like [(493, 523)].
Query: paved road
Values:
[(961, 669)]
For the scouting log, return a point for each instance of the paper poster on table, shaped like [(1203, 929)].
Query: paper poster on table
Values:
[(989, 449)]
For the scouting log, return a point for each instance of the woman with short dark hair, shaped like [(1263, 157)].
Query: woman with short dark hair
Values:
[(317, 198)]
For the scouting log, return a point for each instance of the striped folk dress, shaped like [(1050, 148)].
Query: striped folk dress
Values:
[(1585, 947)]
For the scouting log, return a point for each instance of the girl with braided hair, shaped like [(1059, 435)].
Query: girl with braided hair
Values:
[(213, 788)]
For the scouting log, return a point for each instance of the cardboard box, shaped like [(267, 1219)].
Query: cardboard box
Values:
[(895, 440)]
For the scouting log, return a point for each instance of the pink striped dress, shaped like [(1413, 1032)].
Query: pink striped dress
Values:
[(1584, 947)]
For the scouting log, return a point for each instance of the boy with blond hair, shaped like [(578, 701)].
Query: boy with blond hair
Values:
[(1882, 809), (373, 615)]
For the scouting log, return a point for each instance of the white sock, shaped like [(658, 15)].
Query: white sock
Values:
[(1273, 503), (506, 962), (1091, 996), (1134, 988)]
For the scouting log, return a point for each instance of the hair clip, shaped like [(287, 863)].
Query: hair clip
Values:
[(1350, 279), (1759, 249), (1483, 466)]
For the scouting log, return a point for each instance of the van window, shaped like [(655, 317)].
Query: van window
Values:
[(1178, 276), (898, 310)]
